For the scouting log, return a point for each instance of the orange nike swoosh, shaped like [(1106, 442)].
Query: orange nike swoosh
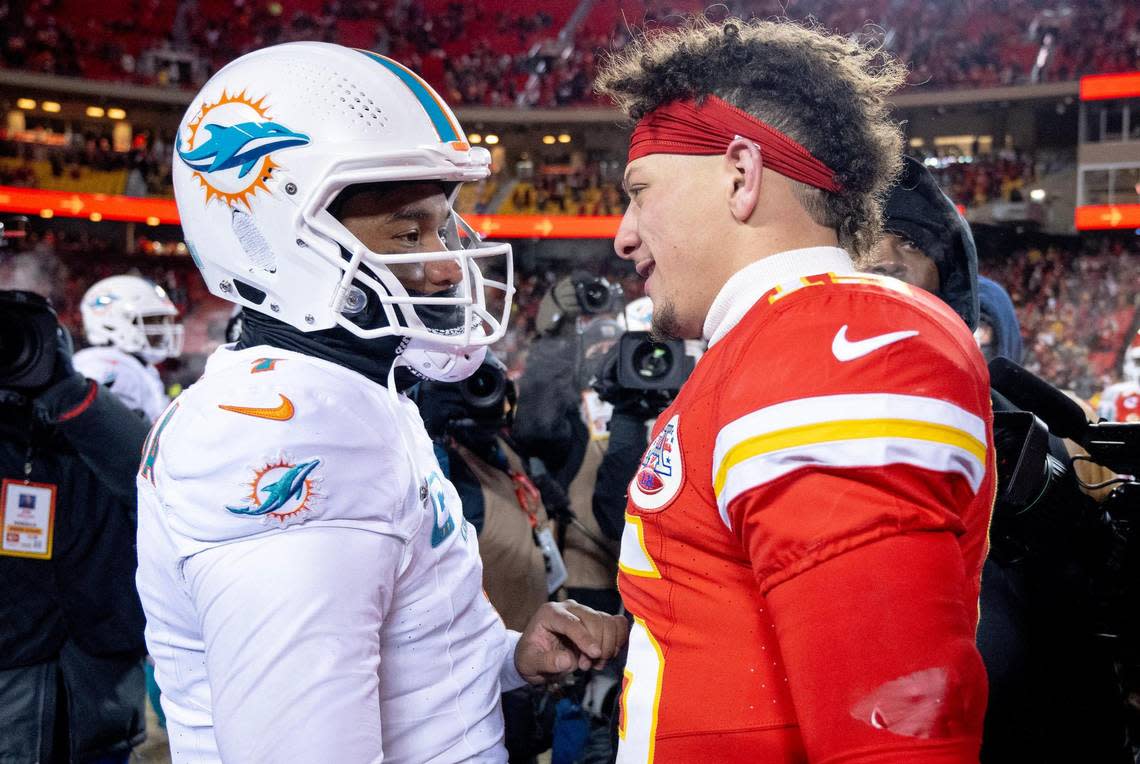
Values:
[(279, 413)]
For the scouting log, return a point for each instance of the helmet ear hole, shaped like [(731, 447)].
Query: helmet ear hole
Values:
[(253, 242)]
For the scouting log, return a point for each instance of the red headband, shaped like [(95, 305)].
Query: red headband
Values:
[(682, 127)]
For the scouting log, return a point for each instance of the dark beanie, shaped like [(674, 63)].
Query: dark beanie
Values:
[(916, 209)]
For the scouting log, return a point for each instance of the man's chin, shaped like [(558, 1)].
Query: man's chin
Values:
[(666, 325)]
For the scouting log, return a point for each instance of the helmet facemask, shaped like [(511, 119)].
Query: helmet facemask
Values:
[(459, 321)]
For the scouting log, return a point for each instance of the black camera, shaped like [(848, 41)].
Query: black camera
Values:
[(596, 295), (485, 390), (28, 330), (1040, 509), (645, 364)]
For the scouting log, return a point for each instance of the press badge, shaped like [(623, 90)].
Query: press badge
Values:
[(597, 414), (29, 519)]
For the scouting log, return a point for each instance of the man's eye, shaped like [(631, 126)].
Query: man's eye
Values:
[(894, 270), (908, 244), (412, 237)]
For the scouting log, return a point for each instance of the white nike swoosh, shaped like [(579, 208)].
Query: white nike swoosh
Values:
[(846, 350)]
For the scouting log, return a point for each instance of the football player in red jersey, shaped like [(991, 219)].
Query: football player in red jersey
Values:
[(804, 540)]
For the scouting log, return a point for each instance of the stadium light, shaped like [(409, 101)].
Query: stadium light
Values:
[(475, 138), (548, 140), (25, 103), (50, 106), (1037, 194), (492, 139), (95, 217), (564, 138), (95, 111), (152, 210), (116, 114)]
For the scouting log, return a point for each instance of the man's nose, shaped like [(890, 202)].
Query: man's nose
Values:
[(627, 240), (442, 274)]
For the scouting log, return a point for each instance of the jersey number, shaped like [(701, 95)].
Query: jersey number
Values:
[(644, 666)]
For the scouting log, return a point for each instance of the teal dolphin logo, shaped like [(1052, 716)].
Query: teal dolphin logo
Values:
[(290, 487), (241, 145)]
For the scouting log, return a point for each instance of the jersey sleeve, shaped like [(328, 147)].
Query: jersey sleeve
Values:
[(123, 376), (862, 501), (293, 654), (890, 443), (243, 455)]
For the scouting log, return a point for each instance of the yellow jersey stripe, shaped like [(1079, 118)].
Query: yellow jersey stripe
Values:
[(841, 430)]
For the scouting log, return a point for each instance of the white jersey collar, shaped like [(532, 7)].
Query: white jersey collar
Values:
[(752, 282)]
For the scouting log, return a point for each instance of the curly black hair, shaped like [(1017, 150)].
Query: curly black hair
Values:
[(827, 92)]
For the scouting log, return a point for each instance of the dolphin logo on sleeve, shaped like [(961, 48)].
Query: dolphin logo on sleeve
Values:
[(291, 487)]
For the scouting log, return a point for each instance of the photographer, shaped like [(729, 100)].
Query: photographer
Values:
[(1052, 693), (584, 445), (71, 674), (561, 422), (639, 378), (467, 421)]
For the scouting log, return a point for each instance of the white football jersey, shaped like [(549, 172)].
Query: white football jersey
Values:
[(1120, 403), (312, 590), (136, 384)]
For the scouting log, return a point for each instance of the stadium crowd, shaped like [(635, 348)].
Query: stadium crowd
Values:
[(1076, 306), (1075, 302), (500, 55)]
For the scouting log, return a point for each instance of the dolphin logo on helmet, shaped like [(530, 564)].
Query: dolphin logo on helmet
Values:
[(224, 149)]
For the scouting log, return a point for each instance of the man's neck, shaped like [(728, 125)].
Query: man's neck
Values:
[(751, 282)]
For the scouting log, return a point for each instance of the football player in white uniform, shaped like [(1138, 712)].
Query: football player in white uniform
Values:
[(1121, 402), (132, 325), (312, 590)]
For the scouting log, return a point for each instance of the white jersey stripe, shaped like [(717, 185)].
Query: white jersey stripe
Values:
[(829, 408), (863, 452)]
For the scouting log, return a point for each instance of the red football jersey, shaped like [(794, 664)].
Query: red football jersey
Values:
[(841, 413)]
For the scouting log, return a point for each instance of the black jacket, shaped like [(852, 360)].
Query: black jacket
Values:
[(86, 592)]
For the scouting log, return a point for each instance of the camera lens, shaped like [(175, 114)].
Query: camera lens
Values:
[(16, 345), (481, 383), (652, 360), (595, 295), (484, 389)]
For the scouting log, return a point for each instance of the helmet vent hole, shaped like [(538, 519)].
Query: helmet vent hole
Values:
[(249, 292)]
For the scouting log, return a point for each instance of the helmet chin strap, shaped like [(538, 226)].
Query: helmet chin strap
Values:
[(441, 363)]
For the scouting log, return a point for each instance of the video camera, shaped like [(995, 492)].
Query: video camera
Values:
[(1040, 508), (646, 364), (596, 295), (487, 393), (28, 339), (484, 401)]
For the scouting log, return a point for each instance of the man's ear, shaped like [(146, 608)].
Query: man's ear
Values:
[(745, 165)]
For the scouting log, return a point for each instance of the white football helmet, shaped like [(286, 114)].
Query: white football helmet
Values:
[(267, 146), (134, 315), (1130, 369)]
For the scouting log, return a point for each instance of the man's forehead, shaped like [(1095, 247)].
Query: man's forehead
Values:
[(656, 165), (640, 164), (399, 201)]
